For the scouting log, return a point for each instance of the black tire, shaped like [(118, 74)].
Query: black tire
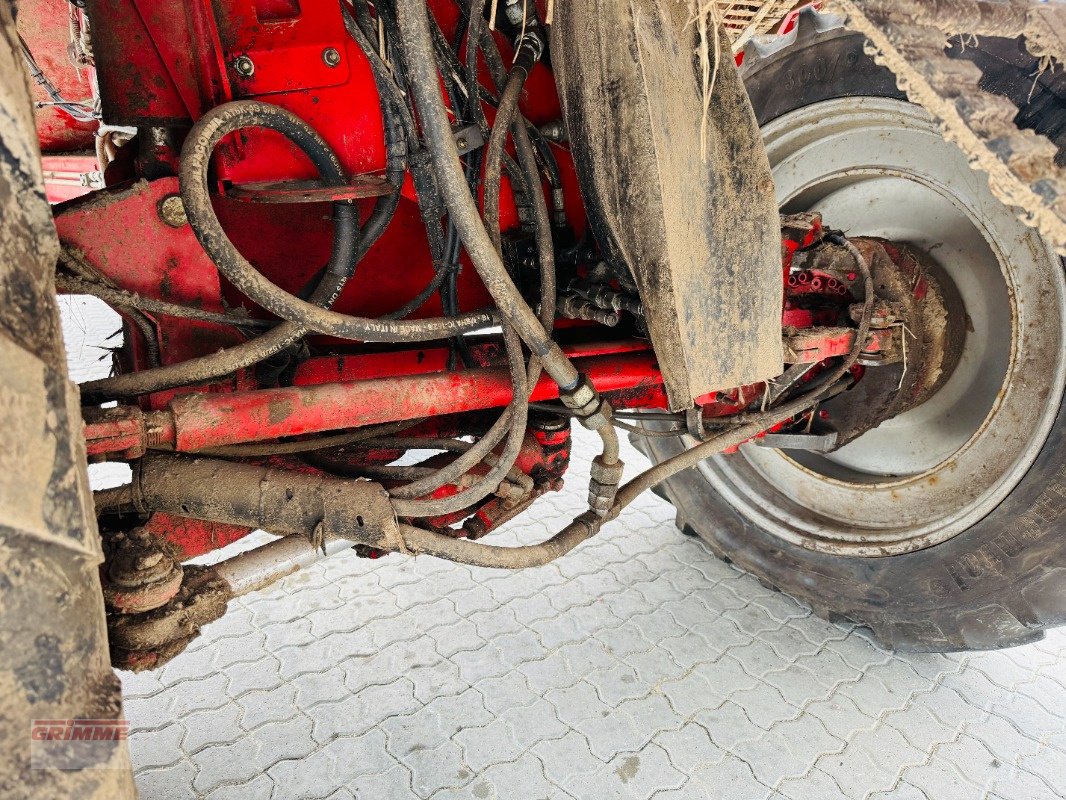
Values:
[(1000, 583)]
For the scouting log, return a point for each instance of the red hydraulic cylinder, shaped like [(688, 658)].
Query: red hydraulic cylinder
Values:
[(201, 421)]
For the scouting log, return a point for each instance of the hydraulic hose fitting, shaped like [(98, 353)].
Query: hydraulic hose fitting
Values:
[(595, 414), (530, 44), (603, 485), (592, 411), (581, 398)]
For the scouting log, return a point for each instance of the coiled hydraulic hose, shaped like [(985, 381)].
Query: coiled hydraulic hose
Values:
[(512, 422), (414, 29), (587, 525), (513, 419), (195, 192), (346, 251)]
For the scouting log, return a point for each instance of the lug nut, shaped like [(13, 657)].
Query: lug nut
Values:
[(244, 66)]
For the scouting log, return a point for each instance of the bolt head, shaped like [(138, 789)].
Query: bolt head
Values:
[(331, 57), (172, 211), (244, 66)]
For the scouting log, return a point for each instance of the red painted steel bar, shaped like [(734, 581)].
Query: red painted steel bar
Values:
[(200, 421), (212, 420)]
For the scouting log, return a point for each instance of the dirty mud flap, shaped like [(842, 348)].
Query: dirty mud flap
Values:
[(679, 191)]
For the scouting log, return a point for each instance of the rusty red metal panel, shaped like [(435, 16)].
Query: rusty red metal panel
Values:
[(186, 39), (122, 234), (289, 52), (136, 88), (45, 27), (193, 537)]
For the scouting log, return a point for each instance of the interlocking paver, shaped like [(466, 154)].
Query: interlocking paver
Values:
[(274, 705), (814, 784), (732, 779), (254, 754), (159, 748), (787, 750), (728, 725), (213, 726), (168, 783)]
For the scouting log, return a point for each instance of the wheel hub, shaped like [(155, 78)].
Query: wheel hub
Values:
[(924, 339)]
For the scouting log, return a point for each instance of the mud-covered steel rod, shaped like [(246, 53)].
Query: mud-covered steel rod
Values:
[(278, 501)]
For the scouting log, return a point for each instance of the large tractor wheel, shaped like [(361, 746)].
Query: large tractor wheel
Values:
[(943, 528)]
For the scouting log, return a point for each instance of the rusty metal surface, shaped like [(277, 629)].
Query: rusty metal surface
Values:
[(261, 497), (361, 186)]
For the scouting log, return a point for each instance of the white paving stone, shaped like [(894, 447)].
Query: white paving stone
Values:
[(639, 667)]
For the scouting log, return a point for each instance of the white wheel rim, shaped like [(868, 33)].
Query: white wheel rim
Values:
[(879, 167)]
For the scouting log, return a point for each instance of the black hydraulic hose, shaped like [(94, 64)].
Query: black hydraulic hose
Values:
[(551, 169), (418, 300), (343, 258), (284, 336), (418, 540), (512, 422), (505, 114), (475, 26), (120, 298), (509, 423), (508, 116), (195, 161), (383, 76), (414, 28)]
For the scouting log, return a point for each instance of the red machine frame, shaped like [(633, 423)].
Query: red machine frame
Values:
[(161, 66)]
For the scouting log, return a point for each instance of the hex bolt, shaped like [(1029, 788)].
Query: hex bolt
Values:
[(172, 211), (244, 66), (331, 56)]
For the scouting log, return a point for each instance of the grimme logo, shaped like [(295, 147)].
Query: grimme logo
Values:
[(78, 743), (79, 730)]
